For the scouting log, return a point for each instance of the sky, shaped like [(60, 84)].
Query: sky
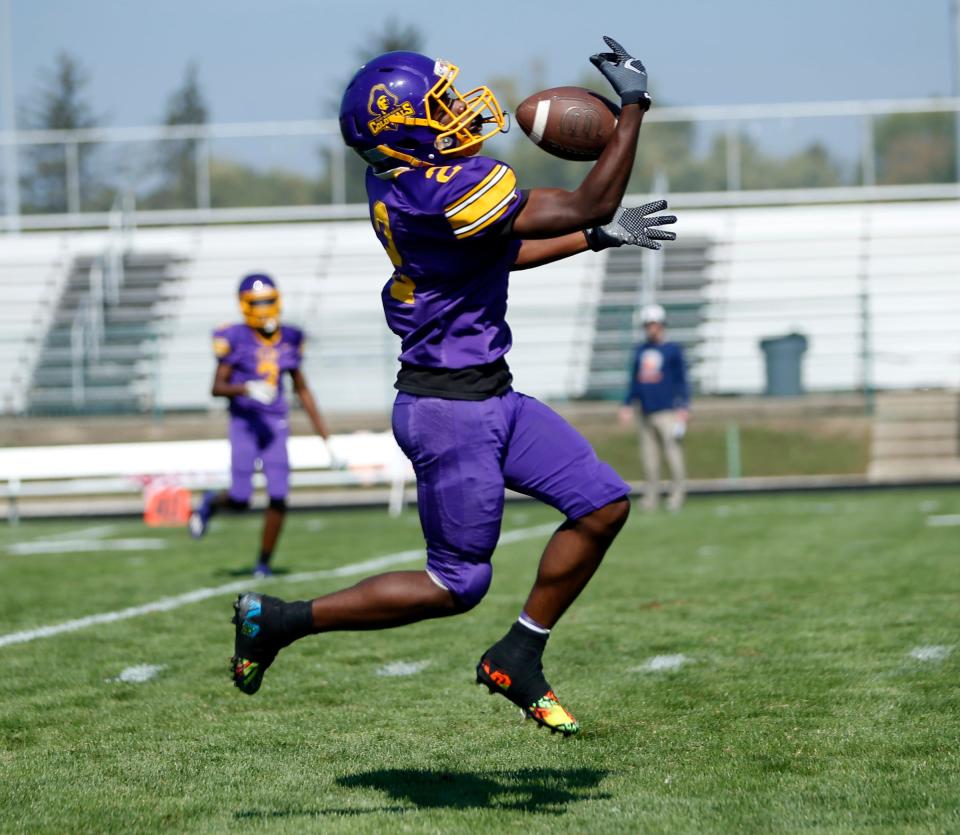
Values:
[(286, 59)]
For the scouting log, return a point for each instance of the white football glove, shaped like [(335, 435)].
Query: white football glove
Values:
[(261, 391), (336, 462)]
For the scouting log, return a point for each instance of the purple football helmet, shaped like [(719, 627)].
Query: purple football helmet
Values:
[(402, 108)]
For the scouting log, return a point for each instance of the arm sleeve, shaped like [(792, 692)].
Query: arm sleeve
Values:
[(222, 347), (681, 396), (632, 380), (482, 200)]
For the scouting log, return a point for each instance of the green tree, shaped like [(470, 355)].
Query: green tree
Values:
[(178, 157), (60, 104), (915, 148), (234, 184), (393, 35)]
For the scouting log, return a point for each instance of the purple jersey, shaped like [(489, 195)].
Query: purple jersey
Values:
[(443, 230), (255, 357)]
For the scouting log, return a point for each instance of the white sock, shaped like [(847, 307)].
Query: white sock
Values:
[(531, 624)]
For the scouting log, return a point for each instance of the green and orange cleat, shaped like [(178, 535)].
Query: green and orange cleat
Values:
[(520, 688)]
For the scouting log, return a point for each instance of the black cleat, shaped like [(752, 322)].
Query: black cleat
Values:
[(253, 648)]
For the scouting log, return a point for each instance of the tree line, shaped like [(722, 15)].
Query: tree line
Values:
[(908, 148)]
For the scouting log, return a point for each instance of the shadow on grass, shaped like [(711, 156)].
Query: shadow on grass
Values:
[(246, 571), (546, 790), (543, 790)]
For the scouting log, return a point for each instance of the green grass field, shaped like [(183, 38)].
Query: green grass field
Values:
[(765, 451), (776, 663)]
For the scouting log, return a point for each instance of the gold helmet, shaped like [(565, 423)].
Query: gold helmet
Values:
[(260, 302)]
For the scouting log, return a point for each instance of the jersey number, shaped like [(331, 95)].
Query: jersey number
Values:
[(402, 287), (381, 224), (445, 173), (268, 370)]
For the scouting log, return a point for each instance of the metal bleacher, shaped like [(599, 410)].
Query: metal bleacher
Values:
[(32, 272), (874, 288), (331, 276), (97, 355)]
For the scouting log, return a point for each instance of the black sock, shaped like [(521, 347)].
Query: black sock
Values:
[(265, 557), (295, 620), (518, 655), (524, 641)]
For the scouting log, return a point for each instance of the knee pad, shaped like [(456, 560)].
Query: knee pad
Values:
[(278, 504), (466, 581), (238, 505)]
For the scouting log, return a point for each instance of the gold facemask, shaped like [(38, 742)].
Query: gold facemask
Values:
[(458, 132), (261, 309)]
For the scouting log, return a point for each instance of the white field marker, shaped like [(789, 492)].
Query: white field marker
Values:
[(931, 653), (948, 520), (139, 674), (662, 663), (402, 668), (165, 604)]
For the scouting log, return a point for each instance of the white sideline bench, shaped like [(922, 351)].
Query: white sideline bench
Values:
[(372, 458)]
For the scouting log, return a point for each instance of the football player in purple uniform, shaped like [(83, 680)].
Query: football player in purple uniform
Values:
[(252, 358), (454, 226)]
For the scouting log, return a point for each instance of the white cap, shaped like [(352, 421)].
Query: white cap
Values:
[(653, 313)]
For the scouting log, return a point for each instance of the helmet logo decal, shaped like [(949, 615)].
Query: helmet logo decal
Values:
[(384, 106)]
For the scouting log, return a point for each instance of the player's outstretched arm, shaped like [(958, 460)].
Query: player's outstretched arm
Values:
[(637, 226), (552, 212), (309, 404), (313, 413), (537, 252)]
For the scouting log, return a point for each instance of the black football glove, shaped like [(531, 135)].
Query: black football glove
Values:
[(626, 74), (634, 228)]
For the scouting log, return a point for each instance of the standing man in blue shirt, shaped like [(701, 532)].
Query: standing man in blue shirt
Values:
[(658, 397)]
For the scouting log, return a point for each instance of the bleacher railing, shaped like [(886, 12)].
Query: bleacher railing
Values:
[(135, 157)]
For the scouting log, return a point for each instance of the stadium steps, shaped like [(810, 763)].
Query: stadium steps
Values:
[(681, 291), (916, 434), (108, 375)]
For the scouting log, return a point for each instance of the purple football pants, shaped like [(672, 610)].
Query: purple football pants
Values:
[(259, 438), (465, 452)]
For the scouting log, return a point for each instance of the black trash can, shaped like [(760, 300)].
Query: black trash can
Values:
[(783, 357)]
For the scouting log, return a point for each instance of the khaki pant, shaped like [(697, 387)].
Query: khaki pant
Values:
[(658, 433)]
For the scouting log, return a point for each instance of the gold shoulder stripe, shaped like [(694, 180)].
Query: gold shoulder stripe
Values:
[(460, 202), (490, 217), (498, 193), (221, 346)]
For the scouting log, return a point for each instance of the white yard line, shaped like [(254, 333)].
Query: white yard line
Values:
[(94, 532), (165, 604), (83, 546)]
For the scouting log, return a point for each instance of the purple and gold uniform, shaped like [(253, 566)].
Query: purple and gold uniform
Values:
[(258, 431), (466, 431)]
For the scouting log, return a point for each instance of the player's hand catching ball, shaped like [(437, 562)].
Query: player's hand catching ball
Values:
[(634, 228), (261, 391), (626, 74)]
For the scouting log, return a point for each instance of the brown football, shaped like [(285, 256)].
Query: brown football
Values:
[(568, 122)]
